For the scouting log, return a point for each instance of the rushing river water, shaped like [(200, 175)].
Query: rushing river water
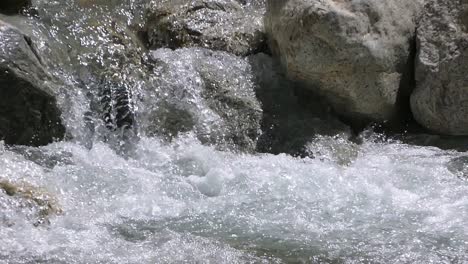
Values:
[(184, 201)]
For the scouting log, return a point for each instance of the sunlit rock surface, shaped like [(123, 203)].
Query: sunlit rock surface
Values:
[(292, 117), (93, 47), (336, 149), (28, 109), (225, 25), (357, 54), (440, 100)]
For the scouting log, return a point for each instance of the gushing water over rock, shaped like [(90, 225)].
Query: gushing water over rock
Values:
[(168, 159)]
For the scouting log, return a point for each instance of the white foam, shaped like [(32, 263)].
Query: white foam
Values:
[(188, 202)]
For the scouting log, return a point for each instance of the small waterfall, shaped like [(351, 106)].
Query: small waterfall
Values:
[(195, 155)]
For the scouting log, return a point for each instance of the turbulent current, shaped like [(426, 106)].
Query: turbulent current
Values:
[(185, 202), (154, 196)]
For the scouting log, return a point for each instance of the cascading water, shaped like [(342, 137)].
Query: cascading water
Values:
[(136, 185)]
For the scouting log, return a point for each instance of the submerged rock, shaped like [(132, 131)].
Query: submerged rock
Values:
[(13, 6), (459, 166), (210, 93), (102, 56), (28, 110), (440, 101), (42, 156), (216, 24), (24, 199), (336, 149), (357, 54)]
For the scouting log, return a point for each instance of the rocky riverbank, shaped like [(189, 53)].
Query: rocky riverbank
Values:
[(395, 63), (378, 61), (233, 131)]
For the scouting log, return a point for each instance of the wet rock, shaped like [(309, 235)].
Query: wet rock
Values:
[(222, 25), (357, 54), (13, 6), (440, 100), (292, 116), (335, 149), (43, 156), (259, 4), (105, 56), (28, 111), (26, 200), (207, 92)]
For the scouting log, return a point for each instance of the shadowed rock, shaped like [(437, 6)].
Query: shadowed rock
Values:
[(28, 111), (10, 7), (233, 103)]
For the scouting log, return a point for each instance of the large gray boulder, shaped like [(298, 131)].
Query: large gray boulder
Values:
[(440, 101), (28, 111), (224, 25), (357, 54)]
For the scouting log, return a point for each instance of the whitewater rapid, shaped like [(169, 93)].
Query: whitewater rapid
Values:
[(173, 196), (188, 203)]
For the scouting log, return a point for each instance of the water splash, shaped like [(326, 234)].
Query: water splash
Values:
[(180, 200), (394, 202)]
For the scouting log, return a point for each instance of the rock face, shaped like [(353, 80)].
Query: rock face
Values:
[(292, 116), (26, 200), (224, 25), (209, 93), (354, 53), (28, 111), (440, 101), (233, 103), (13, 6)]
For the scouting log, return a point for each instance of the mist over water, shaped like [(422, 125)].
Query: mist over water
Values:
[(161, 197)]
